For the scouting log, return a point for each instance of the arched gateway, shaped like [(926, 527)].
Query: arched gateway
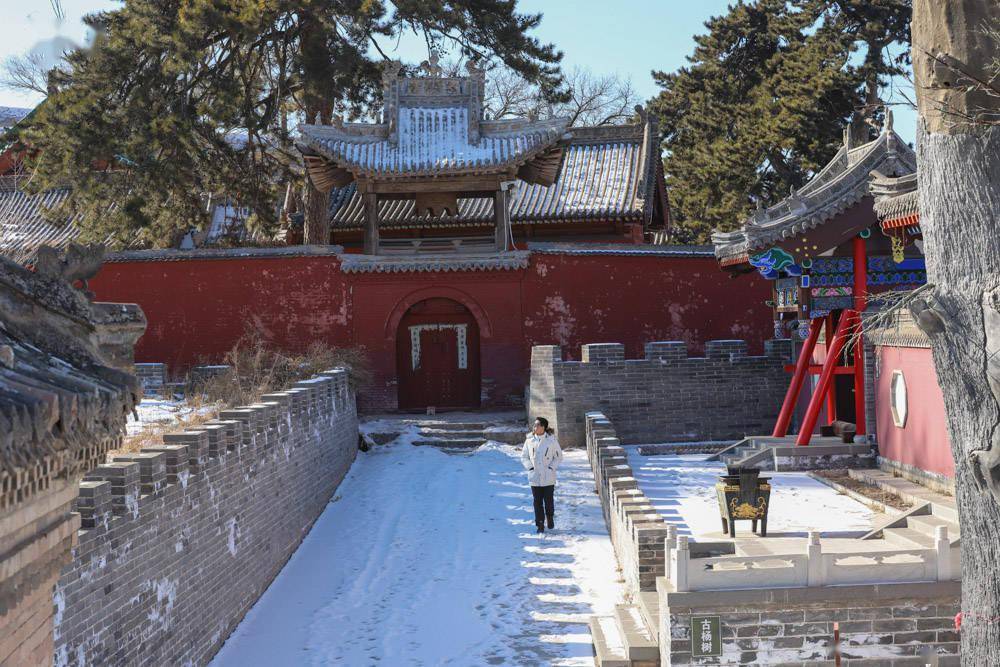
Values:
[(437, 356)]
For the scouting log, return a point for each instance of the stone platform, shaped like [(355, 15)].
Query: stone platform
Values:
[(782, 454)]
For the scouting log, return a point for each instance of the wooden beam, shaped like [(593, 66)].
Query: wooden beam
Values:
[(441, 184), (371, 223), (501, 216)]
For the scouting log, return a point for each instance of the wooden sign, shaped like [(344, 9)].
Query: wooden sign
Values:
[(706, 636)]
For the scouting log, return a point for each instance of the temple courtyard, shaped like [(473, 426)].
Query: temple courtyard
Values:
[(428, 557)]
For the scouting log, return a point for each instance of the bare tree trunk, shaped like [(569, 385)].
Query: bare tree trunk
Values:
[(959, 174), (316, 227)]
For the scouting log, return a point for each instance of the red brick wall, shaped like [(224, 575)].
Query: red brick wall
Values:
[(197, 308)]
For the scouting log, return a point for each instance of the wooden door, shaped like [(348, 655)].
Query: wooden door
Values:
[(438, 356)]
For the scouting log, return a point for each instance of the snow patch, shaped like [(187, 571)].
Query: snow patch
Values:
[(132, 503), (233, 534), (59, 600), (166, 594), (681, 487)]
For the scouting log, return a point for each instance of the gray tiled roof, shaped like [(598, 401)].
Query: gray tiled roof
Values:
[(896, 329), (607, 173), (837, 187), (431, 141), (895, 197), (23, 223), (58, 399)]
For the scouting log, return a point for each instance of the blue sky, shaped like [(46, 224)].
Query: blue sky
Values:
[(629, 37)]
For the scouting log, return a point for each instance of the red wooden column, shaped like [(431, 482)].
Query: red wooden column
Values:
[(834, 348), (860, 303), (801, 366), (831, 395)]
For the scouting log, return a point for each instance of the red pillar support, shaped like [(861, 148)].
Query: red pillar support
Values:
[(831, 395), (834, 348), (801, 366), (860, 303)]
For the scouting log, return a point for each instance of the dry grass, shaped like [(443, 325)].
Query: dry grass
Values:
[(255, 369), (866, 490)]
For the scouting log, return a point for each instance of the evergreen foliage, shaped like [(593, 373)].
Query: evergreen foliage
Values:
[(177, 100), (764, 101)]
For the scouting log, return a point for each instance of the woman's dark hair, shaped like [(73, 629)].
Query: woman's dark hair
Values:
[(545, 424)]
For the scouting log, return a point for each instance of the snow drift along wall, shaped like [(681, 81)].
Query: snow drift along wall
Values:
[(180, 540), (666, 396)]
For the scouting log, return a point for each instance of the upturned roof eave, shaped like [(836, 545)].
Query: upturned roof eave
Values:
[(841, 184)]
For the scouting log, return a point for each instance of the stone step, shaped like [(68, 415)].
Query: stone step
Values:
[(649, 606), (730, 449), (609, 648), (928, 523), (908, 538), (511, 435), (450, 433), (452, 426), (454, 443), (639, 642), (904, 488), (946, 510)]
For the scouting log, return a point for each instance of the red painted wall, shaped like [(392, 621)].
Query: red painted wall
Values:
[(197, 308), (571, 300), (923, 441)]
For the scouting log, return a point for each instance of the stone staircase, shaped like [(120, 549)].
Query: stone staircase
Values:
[(770, 453), (464, 431), (624, 638), (916, 527), (452, 435)]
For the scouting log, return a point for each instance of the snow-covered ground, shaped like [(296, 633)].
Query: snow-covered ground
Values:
[(682, 489), (431, 558), (154, 411)]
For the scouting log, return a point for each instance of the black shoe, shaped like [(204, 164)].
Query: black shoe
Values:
[(552, 524), (540, 528)]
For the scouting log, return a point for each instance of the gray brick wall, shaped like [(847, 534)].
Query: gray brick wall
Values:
[(180, 540), (637, 531), (664, 397), (891, 625)]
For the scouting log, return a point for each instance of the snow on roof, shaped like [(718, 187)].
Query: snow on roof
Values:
[(430, 141), (431, 126), (604, 176)]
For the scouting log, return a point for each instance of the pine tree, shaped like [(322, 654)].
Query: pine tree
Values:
[(181, 99), (763, 102)]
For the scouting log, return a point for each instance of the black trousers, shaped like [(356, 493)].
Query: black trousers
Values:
[(544, 495)]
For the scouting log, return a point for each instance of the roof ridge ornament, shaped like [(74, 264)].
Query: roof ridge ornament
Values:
[(430, 67)]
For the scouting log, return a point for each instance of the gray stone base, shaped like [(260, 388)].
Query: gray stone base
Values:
[(881, 624)]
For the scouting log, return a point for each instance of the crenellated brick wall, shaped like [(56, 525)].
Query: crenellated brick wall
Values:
[(637, 530), (180, 540), (666, 396)]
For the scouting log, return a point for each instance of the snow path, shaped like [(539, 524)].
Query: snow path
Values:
[(429, 558)]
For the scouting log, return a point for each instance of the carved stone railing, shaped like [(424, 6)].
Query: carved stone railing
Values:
[(809, 569)]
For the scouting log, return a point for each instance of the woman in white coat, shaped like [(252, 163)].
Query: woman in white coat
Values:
[(541, 456)]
